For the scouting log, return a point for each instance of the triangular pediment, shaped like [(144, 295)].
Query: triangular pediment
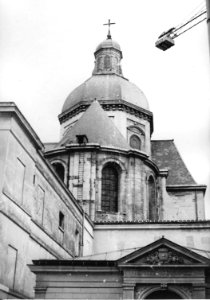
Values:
[(163, 252)]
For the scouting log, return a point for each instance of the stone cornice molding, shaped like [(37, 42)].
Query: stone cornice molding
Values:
[(163, 173), (169, 266), (96, 147), (105, 265), (145, 224), (11, 109), (109, 105), (187, 187)]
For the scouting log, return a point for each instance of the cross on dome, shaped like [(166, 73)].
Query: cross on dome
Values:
[(109, 24)]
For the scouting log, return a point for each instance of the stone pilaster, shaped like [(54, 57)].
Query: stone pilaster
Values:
[(128, 291), (198, 291), (40, 292), (162, 192)]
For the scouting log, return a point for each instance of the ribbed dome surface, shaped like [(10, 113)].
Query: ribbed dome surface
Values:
[(108, 43), (106, 87)]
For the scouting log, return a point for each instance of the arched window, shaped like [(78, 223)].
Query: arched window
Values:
[(135, 142), (59, 169), (107, 62), (109, 195), (152, 199), (99, 64)]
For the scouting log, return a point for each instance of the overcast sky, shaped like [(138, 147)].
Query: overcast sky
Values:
[(47, 50)]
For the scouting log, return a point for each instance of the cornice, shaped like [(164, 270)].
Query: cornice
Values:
[(96, 147), (164, 173), (170, 266), (190, 187), (67, 264), (10, 108), (109, 105), (149, 224)]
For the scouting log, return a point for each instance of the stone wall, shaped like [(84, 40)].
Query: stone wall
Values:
[(125, 235), (130, 277), (33, 199), (84, 165), (85, 177), (78, 282), (184, 205)]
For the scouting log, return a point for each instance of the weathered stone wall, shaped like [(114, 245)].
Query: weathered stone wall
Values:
[(184, 205), (115, 237), (121, 279), (88, 237), (31, 197), (85, 176), (84, 165), (82, 283)]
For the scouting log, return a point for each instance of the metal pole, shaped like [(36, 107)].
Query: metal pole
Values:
[(208, 19)]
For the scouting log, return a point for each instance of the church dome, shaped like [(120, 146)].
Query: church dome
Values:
[(107, 87), (108, 43), (107, 82)]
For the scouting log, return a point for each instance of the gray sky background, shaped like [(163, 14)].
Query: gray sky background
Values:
[(47, 50)]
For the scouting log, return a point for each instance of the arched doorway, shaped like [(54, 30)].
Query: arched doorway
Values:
[(163, 294)]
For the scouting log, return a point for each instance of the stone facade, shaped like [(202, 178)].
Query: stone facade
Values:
[(32, 197), (176, 272), (152, 181), (86, 184), (136, 171), (191, 234), (105, 213)]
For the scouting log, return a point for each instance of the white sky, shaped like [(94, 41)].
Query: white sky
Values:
[(47, 50)]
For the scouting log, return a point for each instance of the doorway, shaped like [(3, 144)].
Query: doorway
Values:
[(163, 294)]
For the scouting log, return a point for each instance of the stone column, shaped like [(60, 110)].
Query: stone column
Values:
[(122, 192), (128, 291), (93, 186), (40, 292), (130, 189)]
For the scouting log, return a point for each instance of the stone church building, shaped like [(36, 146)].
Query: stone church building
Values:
[(106, 212)]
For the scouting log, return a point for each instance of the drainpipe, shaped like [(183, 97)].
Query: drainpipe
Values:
[(82, 235)]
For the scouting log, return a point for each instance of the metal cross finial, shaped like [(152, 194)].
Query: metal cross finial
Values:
[(109, 24)]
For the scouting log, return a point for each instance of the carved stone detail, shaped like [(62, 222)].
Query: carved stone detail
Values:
[(163, 257), (107, 107)]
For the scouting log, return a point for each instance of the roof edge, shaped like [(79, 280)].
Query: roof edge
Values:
[(163, 140), (200, 187), (84, 104), (188, 222), (12, 108)]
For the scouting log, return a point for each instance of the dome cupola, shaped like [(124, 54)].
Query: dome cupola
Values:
[(108, 56), (107, 85)]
